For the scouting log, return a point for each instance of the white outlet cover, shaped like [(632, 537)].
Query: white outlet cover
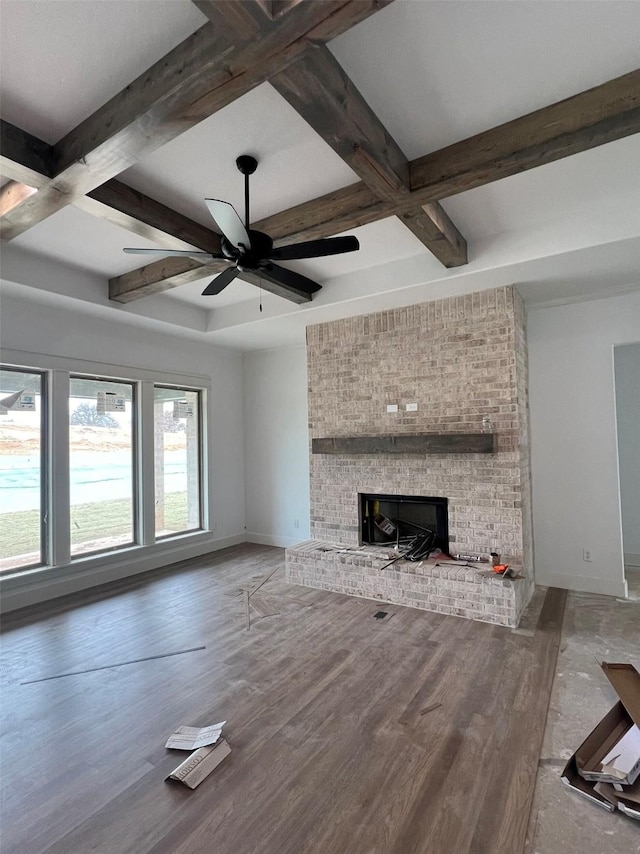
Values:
[(392, 407), (411, 407)]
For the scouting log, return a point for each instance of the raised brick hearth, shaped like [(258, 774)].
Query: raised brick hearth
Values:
[(464, 591), (460, 359)]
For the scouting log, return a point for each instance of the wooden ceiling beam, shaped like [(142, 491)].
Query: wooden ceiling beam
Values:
[(243, 20), (127, 208), (160, 276), (169, 273), (433, 227), (26, 156), (340, 210), (319, 89), (207, 71), (597, 116), (275, 8), (274, 287)]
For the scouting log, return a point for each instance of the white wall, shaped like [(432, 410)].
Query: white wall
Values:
[(627, 378), (65, 330), (276, 446), (576, 499)]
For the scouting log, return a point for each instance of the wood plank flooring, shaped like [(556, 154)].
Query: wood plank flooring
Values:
[(415, 734)]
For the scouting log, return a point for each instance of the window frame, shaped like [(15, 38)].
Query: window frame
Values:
[(44, 468), (201, 455), (58, 370), (135, 474)]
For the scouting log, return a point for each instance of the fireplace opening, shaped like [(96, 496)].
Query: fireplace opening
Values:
[(396, 519)]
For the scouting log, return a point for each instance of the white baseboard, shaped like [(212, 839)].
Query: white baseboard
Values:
[(631, 559), (583, 583), (35, 586), (270, 540)]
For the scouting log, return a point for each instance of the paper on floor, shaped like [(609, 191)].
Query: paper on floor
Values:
[(193, 737)]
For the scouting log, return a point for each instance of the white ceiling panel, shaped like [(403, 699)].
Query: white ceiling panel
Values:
[(237, 291), (294, 163), (585, 183), (437, 72), (84, 241), (60, 61)]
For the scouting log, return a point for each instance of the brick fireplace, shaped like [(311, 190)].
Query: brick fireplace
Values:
[(453, 368)]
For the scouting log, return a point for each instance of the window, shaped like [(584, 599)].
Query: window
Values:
[(101, 464), (93, 461), (22, 448), (177, 461)]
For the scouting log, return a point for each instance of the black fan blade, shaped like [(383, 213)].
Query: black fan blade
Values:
[(220, 282), (175, 253), (315, 248), (292, 281), (229, 223)]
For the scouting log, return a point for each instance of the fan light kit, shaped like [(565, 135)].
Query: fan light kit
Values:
[(248, 249)]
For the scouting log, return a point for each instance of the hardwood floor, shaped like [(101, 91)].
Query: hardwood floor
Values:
[(414, 734)]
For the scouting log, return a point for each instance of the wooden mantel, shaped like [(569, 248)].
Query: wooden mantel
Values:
[(422, 443)]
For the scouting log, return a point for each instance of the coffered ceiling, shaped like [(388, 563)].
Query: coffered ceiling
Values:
[(368, 118)]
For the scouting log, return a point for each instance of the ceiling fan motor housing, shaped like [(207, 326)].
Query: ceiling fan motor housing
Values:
[(257, 252)]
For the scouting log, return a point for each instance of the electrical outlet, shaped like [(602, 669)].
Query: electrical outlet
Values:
[(411, 407), (296, 523), (586, 555), (392, 407)]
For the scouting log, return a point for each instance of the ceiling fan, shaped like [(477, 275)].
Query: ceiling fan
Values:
[(250, 250)]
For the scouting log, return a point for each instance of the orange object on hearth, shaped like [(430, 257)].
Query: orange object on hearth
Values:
[(501, 568)]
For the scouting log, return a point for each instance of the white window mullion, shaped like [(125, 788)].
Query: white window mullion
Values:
[(58, 481), (208, 521), (146, 465)]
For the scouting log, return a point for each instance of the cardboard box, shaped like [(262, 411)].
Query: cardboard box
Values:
[(584, 773), (626, 800), (572, 780), (631, 811), (612, 728)]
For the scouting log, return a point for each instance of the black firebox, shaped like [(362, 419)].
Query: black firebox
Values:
[(396, 519)]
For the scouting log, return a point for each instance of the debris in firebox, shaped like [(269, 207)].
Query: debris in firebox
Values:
[(385, 525), (417, 549)]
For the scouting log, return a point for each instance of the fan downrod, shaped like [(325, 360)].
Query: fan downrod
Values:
[(246, 164)]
